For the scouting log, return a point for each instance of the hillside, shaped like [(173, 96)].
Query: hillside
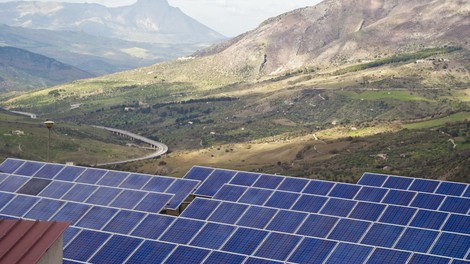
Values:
[(24, 70)]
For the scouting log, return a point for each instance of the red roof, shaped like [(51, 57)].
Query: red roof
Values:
[(26, 241)]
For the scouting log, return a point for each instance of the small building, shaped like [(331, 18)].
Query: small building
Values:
[(26, 242)]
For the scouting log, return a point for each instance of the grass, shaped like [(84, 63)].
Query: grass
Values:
[(458, 117), (381, 95)]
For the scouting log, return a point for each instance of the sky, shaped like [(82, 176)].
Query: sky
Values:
[(228, 17)]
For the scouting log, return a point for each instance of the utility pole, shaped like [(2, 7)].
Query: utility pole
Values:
[(49, 124)]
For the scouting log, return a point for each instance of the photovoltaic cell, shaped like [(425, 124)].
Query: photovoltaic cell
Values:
[(418, 240), (228, 213), (398, 182), (367, 211), (349, 230), (245, 241), (19, 205), (230, 193), (12, 183), (318, 187), (124, 222), (113, 178), (397, 215), (116, 250), (268, 181), (181, 189), (182, 231), (382, 255), (154, 202), (427, 259), (429, 219), (91, 176), (293, 184), (349, 253), (135, 181), (245, 178), (5, 198), (371, 179), (342, 190), (158, 184), (184, 254), (212, 236), (44, 209), (29, 168), (309, 203), (48, 171), (103, 196), (318, 225), (214, 182), (85, 244), (69, 234), (452, 245), (34, 186), (79, 193), (399, 197), (278, 246), (200, 209), (286, 221), (423, 185), (451, 188), (217, 257), (153, 226), (151, 252), (69, 173), (455, 205), (10, 165), (71, 212), (427, 201), (56, 189), (382, 235), (280, 199), (467, 193), (458, 224), (371, 194), (198, 173), (128, 199), (312, 250), (338, 207), (255, 196), (97, 217)]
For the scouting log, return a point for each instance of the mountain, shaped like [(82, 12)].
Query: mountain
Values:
[(24, 70), (145, 21), (339, 32)]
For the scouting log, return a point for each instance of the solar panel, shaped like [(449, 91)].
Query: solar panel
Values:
[(371, 194), (228, 213), (213, 183), (309, 203), (451, 245), (382, 255), (158, 184), (49, 171), (420, 258), (116, 250), (124, 222), (79, 193), (312, 250), (429, 219), (151, 252), (217, 257), (371, 179), (423, 185), (286, 221), (338, 207), (71, 212), (84, 245), (198, 173), (456, 205), (97, 217), (69, 173), (318, 225), (34, 186), (212, 236), (12, 183), (293, 184), (451, 188), (458, 224), (91, 176), (19, 205), (29, 168), (153, 226), (113, 178), (10, 165), (56, 189), (200, 209), (349, 230), (427, 201), (245, 178), (399, 197), (350, 253), (268, 181), (278, 246), (398, 215), (255, 196), (185, 254), (367, 211), (154, 202), (103, 196), (182, 231), (230, 193), (181, 189), (135, 181), (44, 209), (257, 217), (128, 199), (343, 190), (382, 235), (280, 199), (245, 240), (417, 240)]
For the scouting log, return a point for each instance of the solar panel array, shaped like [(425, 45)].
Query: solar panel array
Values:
[(241, 217)]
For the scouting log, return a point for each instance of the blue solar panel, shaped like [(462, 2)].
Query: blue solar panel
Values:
[(124, 222), (312, 250), (214, 182), (268, 181), (200, 209), (382, 255), (452, 245), (128, 199), (79, 193), (116, 250), (230, 193), (349, 253), (228, 213), (158, 184), (455, 205), (69, 234), (253, 260), (19, 205), (422, 185), (293, 184), (245, 178), (153, 226), (338, 207), (184, 254), (451, 188), (467, 192), (44, 209), (12, 183), (151, 252), (427, 259), (458, 224), (154, 202), (278, 246), (217, 257), (280, 199), (371, 179), (103, 196), (398, 182), (287, 221), (255, 196), (349, 230), (10, 165), (5, 198), (257, 217), (399, 197), (113, 178), (367, 211), (29, 168), (318, 225), (49, 171), (371, 194), (318, 187), (181, 189), (343, 190), (97, 217), (91, 176), (84, 245), (182, 231), (56, 189), (309, 203), (427, 201), (416, 240), (198, 173), (382, 235), (135, 181), (397, 215), (71, 212), (245, 241), (429, 219), (3, 176), (69, 173), (212, 236), (458, 261)]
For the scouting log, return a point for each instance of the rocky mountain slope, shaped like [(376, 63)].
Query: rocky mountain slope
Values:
[(23, 70)]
